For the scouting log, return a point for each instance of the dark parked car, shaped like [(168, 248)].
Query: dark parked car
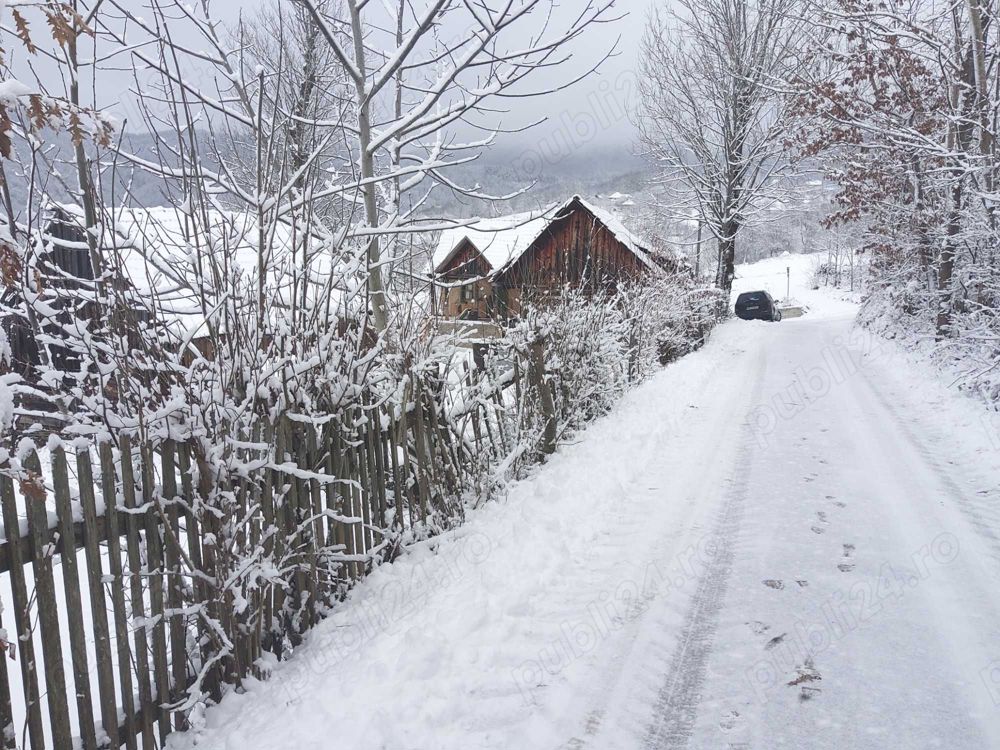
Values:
[(757, 306)]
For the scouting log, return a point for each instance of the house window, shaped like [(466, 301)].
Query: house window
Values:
[(468, 293)]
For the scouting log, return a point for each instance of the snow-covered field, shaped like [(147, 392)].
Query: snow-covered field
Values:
[(789, 539)]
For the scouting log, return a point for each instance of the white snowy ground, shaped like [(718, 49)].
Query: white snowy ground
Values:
[(790, 539)]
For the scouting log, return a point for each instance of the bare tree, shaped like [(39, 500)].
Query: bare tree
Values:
[(713, 113), (906, 109), (441, 66)]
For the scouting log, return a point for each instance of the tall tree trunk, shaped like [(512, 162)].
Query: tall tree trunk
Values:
[(946, 263), (924, 244), (963, 101), (727, 255), (735, 180), (376, 291), (978, 50), (697, 257)]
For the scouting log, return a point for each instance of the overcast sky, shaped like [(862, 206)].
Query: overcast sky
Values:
[(602, 96), (591, 112)]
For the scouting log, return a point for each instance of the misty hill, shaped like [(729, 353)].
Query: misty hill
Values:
[(503, 170)]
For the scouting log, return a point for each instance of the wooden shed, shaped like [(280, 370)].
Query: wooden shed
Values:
[(490, 268)]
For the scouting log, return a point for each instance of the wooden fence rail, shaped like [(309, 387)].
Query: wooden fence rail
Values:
[(134, 611)]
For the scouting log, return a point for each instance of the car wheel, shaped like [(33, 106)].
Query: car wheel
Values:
[(778, 319)]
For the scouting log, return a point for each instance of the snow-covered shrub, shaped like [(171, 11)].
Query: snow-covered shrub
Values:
[(595, 347), (585, 341), (904, 301), (670, 317)]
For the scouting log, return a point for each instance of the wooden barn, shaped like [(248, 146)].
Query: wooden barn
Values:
[(487, 270)]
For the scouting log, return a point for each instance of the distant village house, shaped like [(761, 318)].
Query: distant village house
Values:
[(491, 268)]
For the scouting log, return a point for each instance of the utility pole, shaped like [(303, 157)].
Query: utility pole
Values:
[(788, 282)]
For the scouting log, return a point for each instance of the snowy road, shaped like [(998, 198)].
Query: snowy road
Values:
[(778, 542)]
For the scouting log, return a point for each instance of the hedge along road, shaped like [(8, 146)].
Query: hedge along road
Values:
[(755, 550)]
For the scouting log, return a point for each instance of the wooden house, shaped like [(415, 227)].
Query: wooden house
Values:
[(490, 268)]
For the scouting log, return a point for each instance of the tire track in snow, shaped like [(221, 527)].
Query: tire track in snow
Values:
[(676, 707), (731, 384), (972, 511), (968, 627)]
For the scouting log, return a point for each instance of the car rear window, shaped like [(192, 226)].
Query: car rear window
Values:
[(750, 297)]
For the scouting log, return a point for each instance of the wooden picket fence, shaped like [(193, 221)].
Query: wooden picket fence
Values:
[(175, 580), (164, 571)]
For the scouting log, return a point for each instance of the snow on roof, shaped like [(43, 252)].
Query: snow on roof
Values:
[(158, 250), (622, 233), (505, 239), (501, 240)]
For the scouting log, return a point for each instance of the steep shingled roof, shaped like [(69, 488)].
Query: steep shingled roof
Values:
[(503, 240)]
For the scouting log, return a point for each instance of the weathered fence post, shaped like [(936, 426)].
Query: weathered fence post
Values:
[(109, 491), (536, 375), (22, 618), (98, 608), (135, 570), (175, 593), (212, 570), (155, 572), (74, 605), (45, 594), (7, 730)]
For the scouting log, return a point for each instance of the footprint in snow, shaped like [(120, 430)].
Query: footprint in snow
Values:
[(774, 584), (593, 723), (806, 675), (848, 550), (802, 584), (729, 720), (823, 520), (758, 627), (845, 567), (774, 641)]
